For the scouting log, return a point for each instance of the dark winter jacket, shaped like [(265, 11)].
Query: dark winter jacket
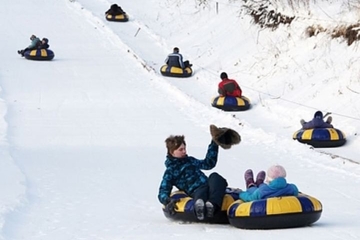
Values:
[(185, 173), (316, 123), (44, 46), (276, 188), (115, 10), (175, 60)]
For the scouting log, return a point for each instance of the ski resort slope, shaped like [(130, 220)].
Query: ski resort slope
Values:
[(82, 136)]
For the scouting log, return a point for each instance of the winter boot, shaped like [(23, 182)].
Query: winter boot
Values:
[(329, 120), (249, 178), (260, 177), (302, 121), (199, 209), (209, 209)]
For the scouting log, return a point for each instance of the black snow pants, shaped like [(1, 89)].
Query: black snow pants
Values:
[(213, 191)]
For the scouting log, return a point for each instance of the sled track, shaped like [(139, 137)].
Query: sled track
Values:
[(186, 103)]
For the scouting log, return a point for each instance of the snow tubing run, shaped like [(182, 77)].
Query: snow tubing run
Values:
[(175, 71), (321, 137), (275, 212), (229, 103), (117, 17), (39, 54), (185, 211)]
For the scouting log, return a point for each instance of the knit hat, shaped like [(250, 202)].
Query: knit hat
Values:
[(275, 171), (223, 75), (176, 50), (318, 114)]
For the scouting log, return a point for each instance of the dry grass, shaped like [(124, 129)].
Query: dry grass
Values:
[(351, 32), (314, 30), (264, 15)]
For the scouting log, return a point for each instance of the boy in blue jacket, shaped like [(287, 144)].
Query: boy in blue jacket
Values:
[(276, 186), (185, 173)]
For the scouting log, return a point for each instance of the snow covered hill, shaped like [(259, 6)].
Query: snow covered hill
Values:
[(82, 137)]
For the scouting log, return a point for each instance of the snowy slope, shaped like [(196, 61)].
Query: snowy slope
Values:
[(82, 137)]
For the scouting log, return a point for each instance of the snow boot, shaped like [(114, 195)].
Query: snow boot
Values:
[(209, 209), (249, 178), (260, 178), (199, 209)]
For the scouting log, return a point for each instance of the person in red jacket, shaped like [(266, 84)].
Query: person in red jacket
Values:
[(228, 87)]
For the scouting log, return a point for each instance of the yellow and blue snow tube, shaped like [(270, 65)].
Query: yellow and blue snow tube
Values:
[(169, 71), (185, 211), (275, 212), (117, 17), (321, 137), (39, 54), (229, 103)]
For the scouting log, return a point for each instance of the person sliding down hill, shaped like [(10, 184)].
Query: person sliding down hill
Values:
[(274, 186), (115, 10), (175, 59), (228, 87), (317, 122), (44, 44), (35, 42), (185, 173)]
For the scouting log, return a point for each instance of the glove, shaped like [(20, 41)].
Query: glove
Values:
[(224, 137), (171, 206)]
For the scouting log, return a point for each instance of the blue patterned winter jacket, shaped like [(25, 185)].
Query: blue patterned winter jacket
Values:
[(276, 188), (185, 173)]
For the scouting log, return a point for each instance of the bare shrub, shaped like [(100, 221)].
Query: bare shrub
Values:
[(265, 15), (350, 33), (314, 30)]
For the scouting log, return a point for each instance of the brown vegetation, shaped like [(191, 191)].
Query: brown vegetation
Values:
[(270, 19), (351, 33)]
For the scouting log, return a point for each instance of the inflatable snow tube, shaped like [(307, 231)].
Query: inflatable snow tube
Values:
[(275, 212), (117, 17), (39, 54), (321, 137), (185, 211), (229, 103), (169, 71)]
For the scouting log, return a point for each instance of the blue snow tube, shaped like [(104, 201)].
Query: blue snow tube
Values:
[(321, 137), (275, 212), (39, 54), (185, 208), (229, 103)]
